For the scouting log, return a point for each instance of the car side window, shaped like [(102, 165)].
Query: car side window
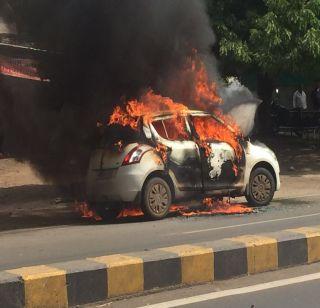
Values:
[(159, 127), (173, 129), (207, 128)]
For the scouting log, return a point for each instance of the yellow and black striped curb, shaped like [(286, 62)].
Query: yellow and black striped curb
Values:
[(96, 279)]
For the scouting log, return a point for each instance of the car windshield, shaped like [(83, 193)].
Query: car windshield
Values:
[(174, 129)]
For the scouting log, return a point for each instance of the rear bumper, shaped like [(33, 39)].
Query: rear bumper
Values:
[(114, 185), (122, 184)]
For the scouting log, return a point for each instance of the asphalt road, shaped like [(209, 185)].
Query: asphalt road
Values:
[(289, 288), (67, 236), (293, 296)]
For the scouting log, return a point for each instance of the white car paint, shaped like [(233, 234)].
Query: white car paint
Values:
[(260, 153), (221, 152)]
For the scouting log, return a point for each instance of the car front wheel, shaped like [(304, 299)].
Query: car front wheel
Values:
[(261, 188), (156, 198)]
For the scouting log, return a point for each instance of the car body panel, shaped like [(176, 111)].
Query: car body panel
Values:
[(218, 171), (120, 183), (183, 161), (259, 153)]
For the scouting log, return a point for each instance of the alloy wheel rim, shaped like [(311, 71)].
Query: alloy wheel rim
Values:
[(158, 198), (261, 187)]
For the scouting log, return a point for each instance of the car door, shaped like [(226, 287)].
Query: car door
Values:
[(221, 167), (183, 158)]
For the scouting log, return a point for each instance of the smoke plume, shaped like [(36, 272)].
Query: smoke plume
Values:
[(101, 53), (240, 103), (7, 23)]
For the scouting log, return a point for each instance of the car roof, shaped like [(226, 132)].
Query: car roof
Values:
[(167, 114)]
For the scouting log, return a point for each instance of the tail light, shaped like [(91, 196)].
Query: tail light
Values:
[(134, 156)]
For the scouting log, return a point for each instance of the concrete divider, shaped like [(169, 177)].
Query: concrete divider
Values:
[(96, 279)]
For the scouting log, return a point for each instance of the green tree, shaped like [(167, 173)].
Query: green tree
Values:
[(269, 37)]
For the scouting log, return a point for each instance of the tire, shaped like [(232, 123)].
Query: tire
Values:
[(156, 198), (105, 212), (261, 188)]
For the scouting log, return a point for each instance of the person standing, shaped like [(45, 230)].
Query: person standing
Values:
[(299, 104), (300, 99), (316, 97)]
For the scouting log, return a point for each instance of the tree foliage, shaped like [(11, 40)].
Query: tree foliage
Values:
[(272, 35)]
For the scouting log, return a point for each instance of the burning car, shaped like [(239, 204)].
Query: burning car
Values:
[(157, 151), (172, 157)]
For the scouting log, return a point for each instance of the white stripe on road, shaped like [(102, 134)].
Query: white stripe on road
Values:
[(232, 292), (250, 224), (296, 197)]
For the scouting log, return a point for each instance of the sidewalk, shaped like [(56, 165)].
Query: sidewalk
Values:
[(296, 156)]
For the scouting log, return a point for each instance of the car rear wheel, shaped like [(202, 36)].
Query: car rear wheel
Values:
[(261, 187), (156, 199)]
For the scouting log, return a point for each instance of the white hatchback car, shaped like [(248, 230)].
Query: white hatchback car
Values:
[(141, 174)]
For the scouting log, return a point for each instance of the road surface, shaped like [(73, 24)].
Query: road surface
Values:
[(290, 288), (57, 233)]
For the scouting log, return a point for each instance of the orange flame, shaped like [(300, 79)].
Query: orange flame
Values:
[(131, 211), (205, 92), (86, 212), (208, 129), (149, 104), (161, 149), (213, 207), (205, 97)]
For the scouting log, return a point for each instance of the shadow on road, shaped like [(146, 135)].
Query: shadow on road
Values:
[(55, 215), (38, 206)]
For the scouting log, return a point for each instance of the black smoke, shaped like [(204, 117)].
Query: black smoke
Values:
[(101, 52)]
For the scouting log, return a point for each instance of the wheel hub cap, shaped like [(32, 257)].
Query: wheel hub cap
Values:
[(158, 198), (261, 187)]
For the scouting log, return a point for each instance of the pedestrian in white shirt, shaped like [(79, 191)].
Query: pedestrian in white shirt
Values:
[(299, 104), (300, 99)]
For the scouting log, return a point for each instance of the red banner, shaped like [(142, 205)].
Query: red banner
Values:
[(20, 68)]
